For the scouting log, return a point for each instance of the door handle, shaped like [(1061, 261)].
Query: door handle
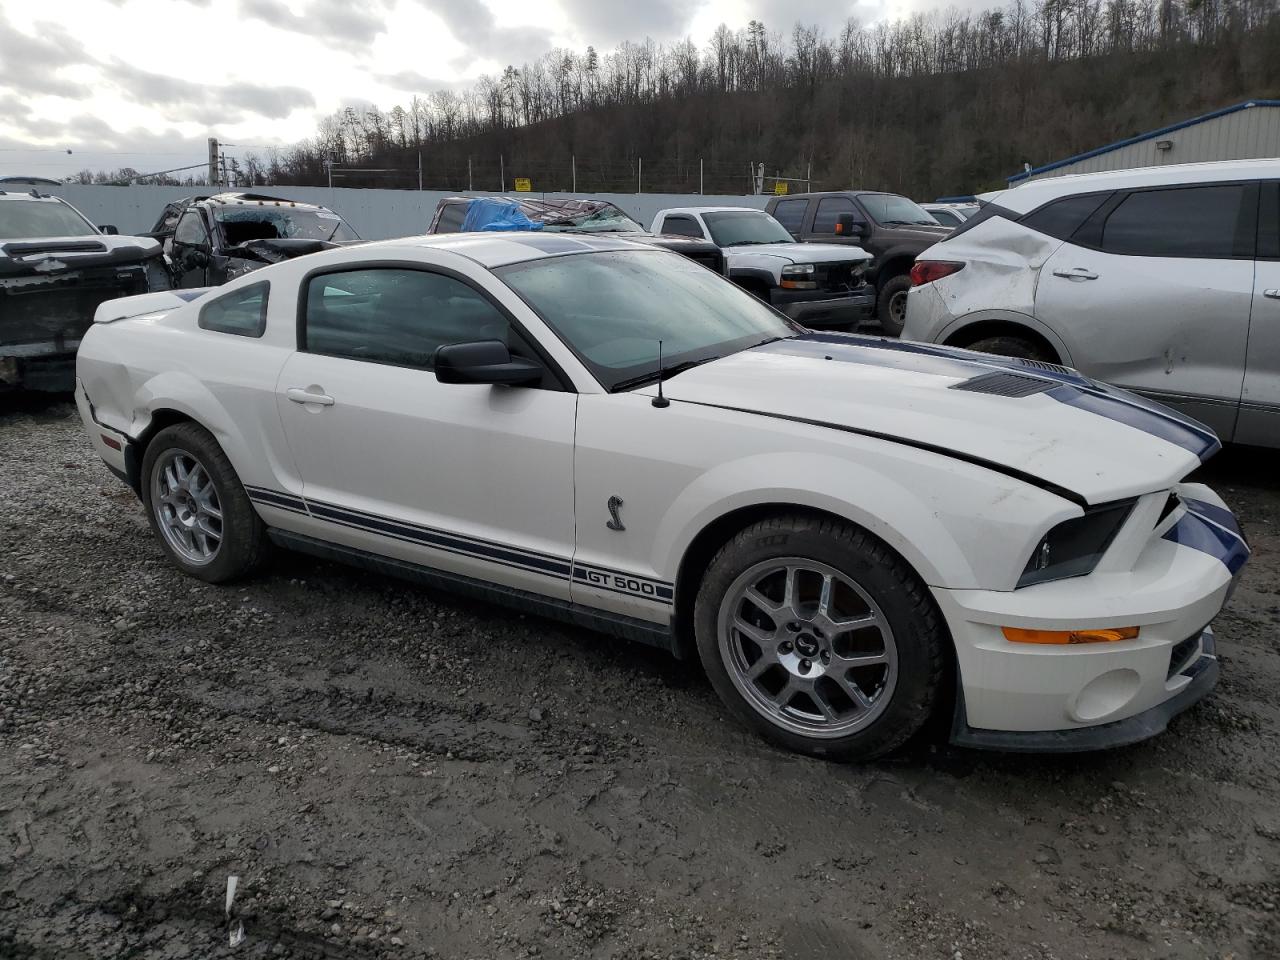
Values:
[(1076, 273), (1273, 293), (299, 395)]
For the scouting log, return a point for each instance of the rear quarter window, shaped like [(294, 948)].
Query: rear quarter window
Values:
[(790, 213), (241, 313), (1061, 218)]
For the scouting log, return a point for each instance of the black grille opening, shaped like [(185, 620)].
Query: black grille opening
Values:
[(1183, 655)]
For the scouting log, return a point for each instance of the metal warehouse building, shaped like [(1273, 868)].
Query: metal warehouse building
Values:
[(1241, 132)]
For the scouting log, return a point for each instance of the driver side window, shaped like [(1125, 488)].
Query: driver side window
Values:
[(191, 231), (395, 316)]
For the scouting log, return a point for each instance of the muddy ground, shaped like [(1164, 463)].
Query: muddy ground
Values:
[(393, 772)]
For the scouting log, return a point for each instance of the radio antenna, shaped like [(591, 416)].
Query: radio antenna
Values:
[(660, 400)]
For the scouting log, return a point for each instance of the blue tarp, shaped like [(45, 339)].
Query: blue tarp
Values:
[(496, 214)]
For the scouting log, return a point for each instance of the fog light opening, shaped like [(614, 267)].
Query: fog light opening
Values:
[(1093, 635)]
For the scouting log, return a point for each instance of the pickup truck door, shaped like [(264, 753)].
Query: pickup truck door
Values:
[(1153, 294), (192, 251), (471, 479), (1259, 421)]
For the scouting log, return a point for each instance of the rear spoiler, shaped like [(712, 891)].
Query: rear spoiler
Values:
[(163, 300)]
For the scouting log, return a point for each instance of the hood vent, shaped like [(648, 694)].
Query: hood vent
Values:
[(1043, 365), (1002, 384)]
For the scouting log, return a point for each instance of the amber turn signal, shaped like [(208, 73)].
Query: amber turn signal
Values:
[(1101, 635)]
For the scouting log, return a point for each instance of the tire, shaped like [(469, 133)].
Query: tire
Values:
[(1019, 347), (182, 515), (737, 636), (891, 305)]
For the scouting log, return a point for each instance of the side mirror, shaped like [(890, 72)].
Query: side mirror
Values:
[(846, 226), (109, 229), (483, 361)]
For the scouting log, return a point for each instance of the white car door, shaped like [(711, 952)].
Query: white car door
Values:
[(1260, 404), (472, 479), (1153, 293)]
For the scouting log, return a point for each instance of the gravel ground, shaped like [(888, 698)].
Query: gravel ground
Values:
[(396, 773)]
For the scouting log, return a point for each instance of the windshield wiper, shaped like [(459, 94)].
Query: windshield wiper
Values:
[(665, 373)]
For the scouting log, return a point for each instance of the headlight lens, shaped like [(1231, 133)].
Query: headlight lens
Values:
[(799, 276), (1074, 547)]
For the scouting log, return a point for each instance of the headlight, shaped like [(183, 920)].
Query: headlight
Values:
[(799, 276), (1074, 547)]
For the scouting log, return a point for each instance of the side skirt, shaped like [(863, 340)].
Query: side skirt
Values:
[(613, 624)]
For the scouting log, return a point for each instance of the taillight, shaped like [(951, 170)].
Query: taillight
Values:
[(927, 271)]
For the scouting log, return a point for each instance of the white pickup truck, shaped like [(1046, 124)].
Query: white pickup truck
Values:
[(817, 284)]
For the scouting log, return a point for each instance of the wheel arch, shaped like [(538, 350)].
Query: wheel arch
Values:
[(1005, 323), (896, 263), (708, 541)]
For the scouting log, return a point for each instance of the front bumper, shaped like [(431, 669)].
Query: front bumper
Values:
[(1202, 672), (814, 310), (1043, 697)]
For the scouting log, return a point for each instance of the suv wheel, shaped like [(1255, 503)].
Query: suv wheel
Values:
[(1019, 347), (198, 508), (891, 305), (817, 635)]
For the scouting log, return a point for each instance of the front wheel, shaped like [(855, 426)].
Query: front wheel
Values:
[(820, 637), (198, 508), (891, 305)]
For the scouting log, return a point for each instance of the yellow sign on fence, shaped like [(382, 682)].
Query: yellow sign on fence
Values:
[(523, 185), (780, 187)]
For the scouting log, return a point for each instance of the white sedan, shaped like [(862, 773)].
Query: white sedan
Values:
[(850, 532)]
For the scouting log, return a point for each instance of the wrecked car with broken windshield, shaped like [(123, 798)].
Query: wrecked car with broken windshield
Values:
[(56, 267), (211, 240)]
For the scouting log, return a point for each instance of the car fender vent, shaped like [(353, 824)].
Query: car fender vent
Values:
[(1002, 384)]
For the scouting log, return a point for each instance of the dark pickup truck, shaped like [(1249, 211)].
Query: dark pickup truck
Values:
[(578, 216), (893, 229), (56, 267)]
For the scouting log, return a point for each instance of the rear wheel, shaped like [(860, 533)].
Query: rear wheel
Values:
[(1012, 346), (891, 304), (198, 508), (820, 637)]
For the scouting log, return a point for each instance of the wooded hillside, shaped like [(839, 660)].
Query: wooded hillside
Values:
[(937, 104)]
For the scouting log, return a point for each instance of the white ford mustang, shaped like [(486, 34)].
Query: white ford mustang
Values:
[(851, 532)]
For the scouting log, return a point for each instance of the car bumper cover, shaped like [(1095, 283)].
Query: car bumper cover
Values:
[(813, 310)]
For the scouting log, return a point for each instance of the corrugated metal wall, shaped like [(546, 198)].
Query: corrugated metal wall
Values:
[(1243, 135), (376, 214)]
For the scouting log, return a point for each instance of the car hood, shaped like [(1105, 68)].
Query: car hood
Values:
[(50, 255), (1043, 423), (801, 252)]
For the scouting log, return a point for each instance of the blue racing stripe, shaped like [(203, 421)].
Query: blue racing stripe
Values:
[(1214, 513), (1142, 415), (1196, 532)]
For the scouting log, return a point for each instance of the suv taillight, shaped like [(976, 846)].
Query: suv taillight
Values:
[(927, 271)]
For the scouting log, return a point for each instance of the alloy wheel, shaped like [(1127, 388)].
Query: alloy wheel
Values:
[(807, 647), (187, 509)]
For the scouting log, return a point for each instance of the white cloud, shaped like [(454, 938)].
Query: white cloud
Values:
[(141, 84)]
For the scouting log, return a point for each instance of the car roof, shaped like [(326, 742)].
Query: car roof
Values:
[(1032, 193), (714, 210), (253, 200), (829, 193), (30, 196), (496, 249)]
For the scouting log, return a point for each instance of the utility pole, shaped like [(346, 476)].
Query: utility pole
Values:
[(470, 188), (700, 190), (639, 174), (213, 161), (573, 166), (419, 170), (502, 175)]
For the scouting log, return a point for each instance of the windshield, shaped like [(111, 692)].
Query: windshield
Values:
[(736, 229), (243, 223), (892, 210), (612, 308), (29, 219), (606, 220)]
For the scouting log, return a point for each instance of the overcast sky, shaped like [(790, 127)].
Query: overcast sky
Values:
[(143, 83)]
